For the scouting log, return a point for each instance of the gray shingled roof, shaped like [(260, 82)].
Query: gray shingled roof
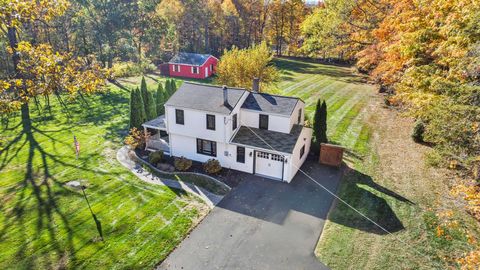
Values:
[(158, 122), (281, 142), (195, 59), (205, 98), (270, 103)]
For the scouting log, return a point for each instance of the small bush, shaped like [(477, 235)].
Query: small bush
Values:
[(418, 131), (136, 139), (182, 163), (434, 158), (130, 69), (155, 157), (212, 166)]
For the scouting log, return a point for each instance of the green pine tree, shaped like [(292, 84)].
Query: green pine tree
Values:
[(151, 108), (323, 123), (160, 100), (137, 111), (168, 89), (319, 126), (144, 90), (173, 87), (148, 100)]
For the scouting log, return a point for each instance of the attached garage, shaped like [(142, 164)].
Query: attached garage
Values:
[(276, 155), (269, 165)]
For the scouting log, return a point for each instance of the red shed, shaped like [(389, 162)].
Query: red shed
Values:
[(192, 65)]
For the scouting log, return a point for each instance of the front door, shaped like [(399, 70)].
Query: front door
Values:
[(268, 164), (206, 72)]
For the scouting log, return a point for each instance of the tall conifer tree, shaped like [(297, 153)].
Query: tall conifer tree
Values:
[(319, 126), (160, 99), (137, 109)]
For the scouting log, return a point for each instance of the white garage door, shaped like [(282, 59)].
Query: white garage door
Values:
[(268, 164)]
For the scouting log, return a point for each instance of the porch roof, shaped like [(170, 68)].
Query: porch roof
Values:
[(268, 139), (157, 123)]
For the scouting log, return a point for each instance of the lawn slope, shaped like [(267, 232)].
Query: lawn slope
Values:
[(45, 224)]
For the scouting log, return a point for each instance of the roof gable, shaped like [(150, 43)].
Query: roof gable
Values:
[(195, 59), (204, 97)]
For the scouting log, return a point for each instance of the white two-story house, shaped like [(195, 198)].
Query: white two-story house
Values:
[(247, 131)]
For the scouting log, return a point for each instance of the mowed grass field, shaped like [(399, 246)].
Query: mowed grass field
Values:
[(46, 225), (386, 179), (346, 94)]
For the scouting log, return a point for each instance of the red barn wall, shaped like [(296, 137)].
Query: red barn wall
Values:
[(186, 70)]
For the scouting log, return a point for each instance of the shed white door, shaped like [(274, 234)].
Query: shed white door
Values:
[(268, 164), (206, 72)]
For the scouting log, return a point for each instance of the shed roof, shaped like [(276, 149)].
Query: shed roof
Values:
[(195, 59), (268, 103), (205, 97), (268, 139)]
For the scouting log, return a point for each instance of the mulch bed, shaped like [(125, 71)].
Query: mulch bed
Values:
[(228, 176)]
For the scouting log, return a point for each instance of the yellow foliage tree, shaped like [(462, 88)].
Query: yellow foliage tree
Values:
[(239, 67), (38, 69)]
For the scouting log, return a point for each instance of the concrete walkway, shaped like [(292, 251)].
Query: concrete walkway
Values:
[(209, 198)]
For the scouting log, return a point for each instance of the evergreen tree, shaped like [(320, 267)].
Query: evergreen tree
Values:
[(148, 100), (150, 107), (323, 123), (173, 87), (168, 89), (319, 126), (137, 109), (144, 90), (160, 99)]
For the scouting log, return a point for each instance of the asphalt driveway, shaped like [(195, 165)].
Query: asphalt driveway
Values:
[(262, 224)]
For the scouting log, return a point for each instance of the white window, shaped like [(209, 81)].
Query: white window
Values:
[(195, 70), (176, 68)]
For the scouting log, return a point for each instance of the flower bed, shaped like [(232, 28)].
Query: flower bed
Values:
[(199, 179), (228, 177)]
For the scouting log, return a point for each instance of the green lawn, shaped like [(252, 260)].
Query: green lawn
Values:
[(400, 195), (345, 94), (44, 224)]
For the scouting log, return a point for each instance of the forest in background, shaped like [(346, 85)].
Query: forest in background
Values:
[(425, 55), (151, 31)]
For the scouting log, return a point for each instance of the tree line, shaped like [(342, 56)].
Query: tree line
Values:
[(424, 54), (154, 30)]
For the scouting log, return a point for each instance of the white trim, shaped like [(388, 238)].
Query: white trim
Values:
[(153, 127), (261, 149)]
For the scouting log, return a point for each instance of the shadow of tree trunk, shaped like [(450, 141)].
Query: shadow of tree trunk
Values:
[(46, 203)]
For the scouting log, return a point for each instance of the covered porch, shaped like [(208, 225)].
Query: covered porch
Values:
[(158, 139)]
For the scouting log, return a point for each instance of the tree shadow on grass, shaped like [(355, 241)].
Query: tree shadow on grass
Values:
[(370, 199), (41, 190)]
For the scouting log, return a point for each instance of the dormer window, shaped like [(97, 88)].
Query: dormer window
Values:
[(211, 121), (263, 121)]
